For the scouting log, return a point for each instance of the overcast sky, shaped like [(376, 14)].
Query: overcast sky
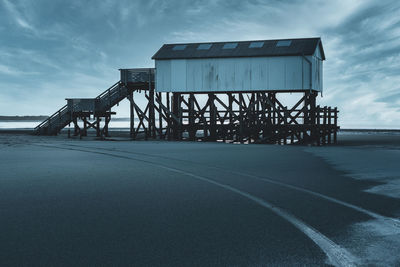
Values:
[(50, 50)]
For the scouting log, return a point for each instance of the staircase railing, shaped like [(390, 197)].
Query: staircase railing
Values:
[(106, 100), (108, 91), (61, 111)]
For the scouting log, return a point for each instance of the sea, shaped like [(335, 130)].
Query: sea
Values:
[(28, 125)]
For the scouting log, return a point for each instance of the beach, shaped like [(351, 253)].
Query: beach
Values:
[(72, 202)]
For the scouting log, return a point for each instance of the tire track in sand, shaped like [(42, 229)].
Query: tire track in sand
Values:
[(337, 255), (389, 220)]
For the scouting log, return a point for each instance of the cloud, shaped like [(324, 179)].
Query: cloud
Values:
[(17, 16), (8, 70), (241, 20), (31, 58), (363, 62)]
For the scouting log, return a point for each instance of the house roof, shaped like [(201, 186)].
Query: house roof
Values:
[(259, 48)]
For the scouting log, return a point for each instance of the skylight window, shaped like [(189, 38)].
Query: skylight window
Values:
[(204, 46), (256, 44), (179, 47), (230, 46), (283, 43)]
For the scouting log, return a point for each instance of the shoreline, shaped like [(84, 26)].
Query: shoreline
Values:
[(126, 129), (389, 139)]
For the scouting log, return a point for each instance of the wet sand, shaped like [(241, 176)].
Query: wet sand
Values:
[(85, 202)]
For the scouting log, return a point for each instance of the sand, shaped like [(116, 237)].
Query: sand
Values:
[(85, 202)]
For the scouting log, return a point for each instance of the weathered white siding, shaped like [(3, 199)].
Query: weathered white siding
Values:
[(239, 74), (317, 70), (163, 74)]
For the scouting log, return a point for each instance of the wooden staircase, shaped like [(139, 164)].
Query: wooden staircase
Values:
[(63, 117)]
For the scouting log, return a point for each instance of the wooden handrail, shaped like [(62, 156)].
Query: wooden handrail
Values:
[(52, 116), (106, 91)]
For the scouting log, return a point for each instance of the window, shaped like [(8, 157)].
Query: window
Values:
[(204, 46), (179, 47), (256, 44), (230, 46), (283, 43)]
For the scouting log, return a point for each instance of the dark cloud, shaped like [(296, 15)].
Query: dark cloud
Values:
[(369, 36)]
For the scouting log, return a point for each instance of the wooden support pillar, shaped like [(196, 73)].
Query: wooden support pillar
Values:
[(230, 116), (241, 120), (306, 109), (76, 126), (160, 118), (169, 121), (335, 125), (258, 117), (84, 133), (278, 111), (147, 117), (205, 123), (273, 108), (152, 118), (192, 129), (285, 124), (270, 120), (105, 129), (329, 130), (263, 115), (98, 133), (180, 116), (251, 118), (310, 115), (213, 117), (176, 104), (313, 100), (324, 126), (132, 132), (318, 124)]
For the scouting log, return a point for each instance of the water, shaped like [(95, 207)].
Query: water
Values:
[(18, 124), (33, 124)]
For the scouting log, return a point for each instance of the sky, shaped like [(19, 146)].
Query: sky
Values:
[(53, 49)]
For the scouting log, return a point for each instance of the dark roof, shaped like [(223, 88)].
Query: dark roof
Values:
[(305, 46)]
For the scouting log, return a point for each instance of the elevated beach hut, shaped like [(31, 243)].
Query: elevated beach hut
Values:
[(240, 83), (264, 65)]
